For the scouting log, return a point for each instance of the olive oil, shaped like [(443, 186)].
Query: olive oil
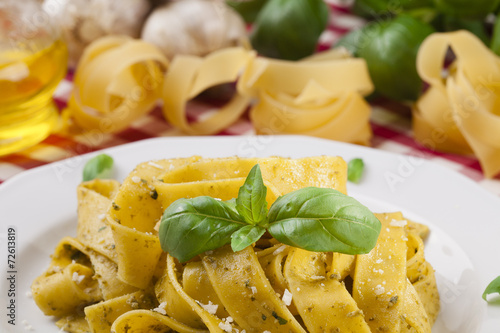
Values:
[(27, 83)]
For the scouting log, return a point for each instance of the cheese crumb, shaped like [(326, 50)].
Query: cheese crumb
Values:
[(254, 289), (77, 278), (161, 308), (102, 217), (226, 327), (27, 325), (398, 223), (379, 290), (155, 165), (210, 307), (287, 297), (136, 179)]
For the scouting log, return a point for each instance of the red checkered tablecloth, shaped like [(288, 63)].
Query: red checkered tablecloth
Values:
[(391, 124)]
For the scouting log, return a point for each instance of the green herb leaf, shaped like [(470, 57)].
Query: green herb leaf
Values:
[(246, 236), (100, 166), (192, 226), (289, 30), (355, 169), (323, 219), (231, 203), (251, 203), (493, 287)]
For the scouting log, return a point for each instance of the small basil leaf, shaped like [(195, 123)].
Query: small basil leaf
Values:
[(100, 166), (355, 169), (231, 203), (246, 236), (493, 287), (251, 203), (322, 219), (191, 226)]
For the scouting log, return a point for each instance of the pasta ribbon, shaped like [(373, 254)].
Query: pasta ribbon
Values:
[(239, 275), (68, 283), (459, 112), (319, 96), (117, 80), (133, 216), (323, 302), (188, 76)]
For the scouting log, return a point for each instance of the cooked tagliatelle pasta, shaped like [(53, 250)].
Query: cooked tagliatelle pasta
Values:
[(114, 277)]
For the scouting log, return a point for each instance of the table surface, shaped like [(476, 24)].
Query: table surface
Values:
[(390, 121)]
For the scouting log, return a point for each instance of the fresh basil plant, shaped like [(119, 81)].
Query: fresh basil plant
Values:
[(100, 166), (314, 219), (289, 30)]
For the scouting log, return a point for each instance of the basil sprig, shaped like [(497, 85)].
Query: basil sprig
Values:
[(312, 218)]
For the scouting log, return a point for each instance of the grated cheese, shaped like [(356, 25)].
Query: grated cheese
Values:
[(287, 297)]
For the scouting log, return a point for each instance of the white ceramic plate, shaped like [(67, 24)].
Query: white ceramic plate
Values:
[(40, 205)]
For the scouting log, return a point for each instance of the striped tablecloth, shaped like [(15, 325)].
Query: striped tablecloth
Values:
[(391, 124)]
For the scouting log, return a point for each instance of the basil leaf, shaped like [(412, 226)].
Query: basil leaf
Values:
[(246, 236), (251, 203), (100, 166), (493, 287), (191, 226), (231, 203), (323, 219), (355, 169)]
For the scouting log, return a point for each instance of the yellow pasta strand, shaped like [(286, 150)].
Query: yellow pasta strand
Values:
[(238, 275), (101, 316), (140, 321), (323, 302), (458, 113), (188, 76), (380, 278), (117, 81)]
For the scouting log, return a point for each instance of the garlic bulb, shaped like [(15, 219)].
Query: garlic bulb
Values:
[(195, 27), (83, 21)]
